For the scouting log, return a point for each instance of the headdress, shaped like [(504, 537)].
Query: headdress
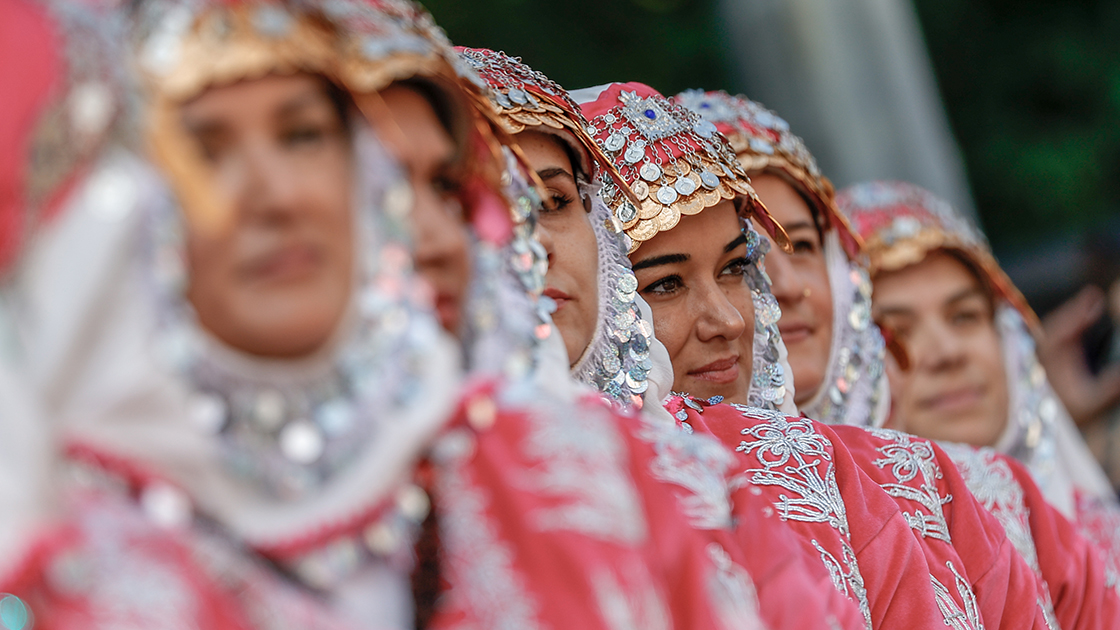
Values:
[(854, 390), (674, 162), (678, 164)]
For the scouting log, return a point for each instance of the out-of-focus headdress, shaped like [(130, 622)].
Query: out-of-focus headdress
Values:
[(185, 47), (901, 224), (854, 390), (677, 164)]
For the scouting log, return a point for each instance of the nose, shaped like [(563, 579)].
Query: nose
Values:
[(265, 188), (439, 237), (787, 285), (938, 348), (717, 317)]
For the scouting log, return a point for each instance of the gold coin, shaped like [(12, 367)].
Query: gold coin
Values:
[(668, 218), (739, 185), (682, 168), (644, 230), (649, 209), (691, 204), (708, 198), (640, 189), (550, 121), (725, 191), (525, 118)]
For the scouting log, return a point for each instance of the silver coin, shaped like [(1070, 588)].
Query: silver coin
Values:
[(636, 153), (614, 142), (685, 186), (709, 180), (666, 195), (650, 172)]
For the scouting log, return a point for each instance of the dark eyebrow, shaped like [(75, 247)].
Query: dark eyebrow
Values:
[(895, 311), (551, 173), (740, 240), (799, 225), (301, 101), (964, 294), (667, 259)]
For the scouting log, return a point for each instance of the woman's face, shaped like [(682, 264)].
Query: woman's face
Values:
[(276, 280), (800, 282), (693, 277), (416, 137), (567, 236), (956, 388)]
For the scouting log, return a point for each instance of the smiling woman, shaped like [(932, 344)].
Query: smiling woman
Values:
[(694, 252)]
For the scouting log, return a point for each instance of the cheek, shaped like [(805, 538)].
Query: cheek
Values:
[(671, 327)]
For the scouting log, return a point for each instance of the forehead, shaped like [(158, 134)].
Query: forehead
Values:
[(784, 202), (699, 235), (248, 98), (544, 150), (928, 284)]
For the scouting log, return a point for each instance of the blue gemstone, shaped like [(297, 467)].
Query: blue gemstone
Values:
[(705, 105), (650, 114)]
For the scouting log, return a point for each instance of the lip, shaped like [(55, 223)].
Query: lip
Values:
[(285, 264), (795, 333), (557, 296), (447, 309), (959, 399), (723, 371)]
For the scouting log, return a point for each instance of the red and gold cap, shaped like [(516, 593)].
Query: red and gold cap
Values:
[(362, 46), (764, 144), (674, 162), (902, 223), (522, 98)]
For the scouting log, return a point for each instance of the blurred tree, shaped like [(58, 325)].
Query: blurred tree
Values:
[(1032, 88), (668, 44)]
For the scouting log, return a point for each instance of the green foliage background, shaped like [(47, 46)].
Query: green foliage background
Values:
[(1032, 87)]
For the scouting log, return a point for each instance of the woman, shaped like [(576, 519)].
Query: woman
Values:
[(822, 287), (983, 326), (697, 292), (577, 228), (803, 199)]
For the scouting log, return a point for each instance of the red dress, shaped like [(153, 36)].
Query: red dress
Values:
[(963, 542), (843, 516), (1073, 570), (594, 519)]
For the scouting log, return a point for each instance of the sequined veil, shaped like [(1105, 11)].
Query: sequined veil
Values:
[(854, 389), (900, 224)]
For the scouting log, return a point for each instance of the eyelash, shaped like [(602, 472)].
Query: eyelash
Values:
[(737, 267), (559, 202), (741, 265)]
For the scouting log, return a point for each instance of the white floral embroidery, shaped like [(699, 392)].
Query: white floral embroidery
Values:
[(732, 592), (908, 458), (992, 483), (696, 463), (636, 606), (791, 452), (955, 617), (486, 586), (583, 459)]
